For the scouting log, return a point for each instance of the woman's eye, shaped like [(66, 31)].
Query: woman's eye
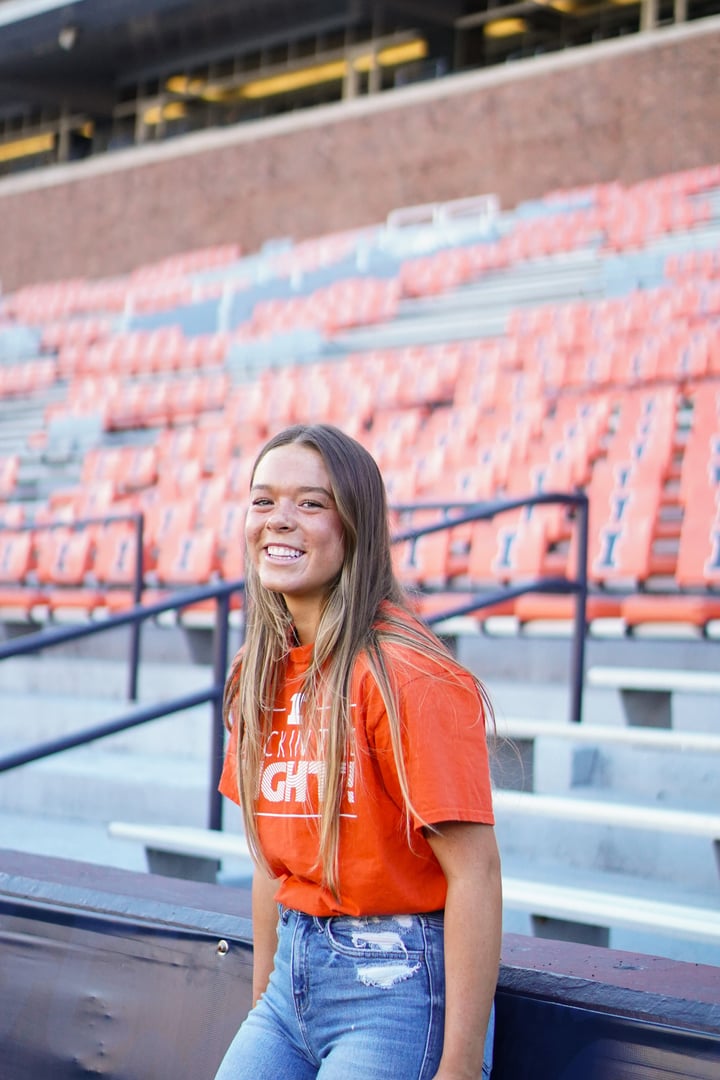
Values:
[(312, 504), (260, 502)]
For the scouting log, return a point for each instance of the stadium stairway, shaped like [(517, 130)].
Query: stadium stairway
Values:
[(159, 774)]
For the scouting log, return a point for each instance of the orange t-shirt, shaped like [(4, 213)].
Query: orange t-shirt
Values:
[(448, 780)]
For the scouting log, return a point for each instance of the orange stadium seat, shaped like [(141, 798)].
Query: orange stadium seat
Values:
[(19, 591), (622, 549), (230, 527), (65, 559), (12, 515), (510, 548), (214, 447), (138, 468), (697, 573), (94, 501), (187, 559), (177, 480), (165, 518), (101, 464), (116, 564), (238, 474), (401, 484), (210, 494), (9, 471), (426, 561)]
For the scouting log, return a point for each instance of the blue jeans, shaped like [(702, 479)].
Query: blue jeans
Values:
[(361, 998)]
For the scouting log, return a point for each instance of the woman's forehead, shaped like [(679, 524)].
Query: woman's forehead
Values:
[(292, 464)]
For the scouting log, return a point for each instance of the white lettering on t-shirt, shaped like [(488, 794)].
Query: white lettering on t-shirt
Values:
[(295, 772), (289, 781), (295, 714)]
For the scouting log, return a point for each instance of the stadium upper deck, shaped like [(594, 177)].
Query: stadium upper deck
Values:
[(83, 78)]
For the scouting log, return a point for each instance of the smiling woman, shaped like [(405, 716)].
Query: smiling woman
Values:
[(358, 753)]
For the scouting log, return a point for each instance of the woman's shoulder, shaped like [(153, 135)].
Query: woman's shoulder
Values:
[(411, 651)]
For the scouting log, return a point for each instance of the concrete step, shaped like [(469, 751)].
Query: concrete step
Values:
[(39, 700), (645, 854), (95, 677), (96, 786), (154, 777), (68, 838), (656, 944), (29, 719)]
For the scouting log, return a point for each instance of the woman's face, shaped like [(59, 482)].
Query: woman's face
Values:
[(293, 531)]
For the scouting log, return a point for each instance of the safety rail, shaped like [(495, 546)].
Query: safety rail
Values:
[(222, 591), (76, 525), (45, 639), (479, 599)]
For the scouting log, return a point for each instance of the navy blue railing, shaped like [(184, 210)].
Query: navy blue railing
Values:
[(137, 520), (472, 601)]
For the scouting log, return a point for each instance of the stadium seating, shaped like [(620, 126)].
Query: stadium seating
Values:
[(613, 388)]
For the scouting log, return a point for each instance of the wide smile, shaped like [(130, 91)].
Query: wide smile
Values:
[(282, 553)]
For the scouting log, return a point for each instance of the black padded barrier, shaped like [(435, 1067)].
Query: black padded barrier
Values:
[(131, 976)]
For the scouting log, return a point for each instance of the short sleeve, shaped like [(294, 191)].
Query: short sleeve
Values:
[(445, 747), (228, 784)]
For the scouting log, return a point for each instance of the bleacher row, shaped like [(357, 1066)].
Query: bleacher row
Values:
[(617, 394)]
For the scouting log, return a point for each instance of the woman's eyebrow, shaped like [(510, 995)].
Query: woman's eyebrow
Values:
[(303, 490)]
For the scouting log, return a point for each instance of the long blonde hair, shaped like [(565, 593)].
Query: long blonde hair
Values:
[(365, 609)]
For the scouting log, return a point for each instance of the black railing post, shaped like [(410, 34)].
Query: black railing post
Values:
[(577, 673), (136, 628), (217, 734)]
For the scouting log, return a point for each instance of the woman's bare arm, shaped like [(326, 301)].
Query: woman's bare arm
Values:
[(469, 858), (265, 919)]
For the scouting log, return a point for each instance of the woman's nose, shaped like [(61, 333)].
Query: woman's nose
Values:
[(280, 518)]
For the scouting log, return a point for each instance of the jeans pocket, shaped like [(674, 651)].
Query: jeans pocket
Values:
[(390, 936), (384, 950)]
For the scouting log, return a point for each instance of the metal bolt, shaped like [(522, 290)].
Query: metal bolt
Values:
[(223, 947)]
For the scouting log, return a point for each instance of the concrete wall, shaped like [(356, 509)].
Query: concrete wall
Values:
[(628, 110), (126, 974)]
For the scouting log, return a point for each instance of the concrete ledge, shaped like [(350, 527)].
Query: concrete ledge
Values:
[(648, 988)]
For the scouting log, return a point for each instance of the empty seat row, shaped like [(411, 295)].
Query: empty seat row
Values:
[(92, 571)]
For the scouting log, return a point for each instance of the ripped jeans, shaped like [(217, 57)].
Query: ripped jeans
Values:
[(349, 997)]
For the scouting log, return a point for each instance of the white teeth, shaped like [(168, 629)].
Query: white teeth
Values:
[(278, 552)]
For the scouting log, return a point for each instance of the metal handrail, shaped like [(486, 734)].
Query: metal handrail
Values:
[(579, 585), (138, 521), (221, 593), (44, 639)]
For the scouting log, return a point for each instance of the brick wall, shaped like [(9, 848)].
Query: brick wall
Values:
[(625, 110)]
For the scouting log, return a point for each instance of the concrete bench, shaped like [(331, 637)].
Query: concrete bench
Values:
[(514, 749), (167, 843), (647, 692), (566, 912), (183, 851), (562, 912), (596, 812), (570, 913)]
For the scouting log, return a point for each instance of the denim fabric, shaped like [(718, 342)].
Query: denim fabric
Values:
[(361, 998)]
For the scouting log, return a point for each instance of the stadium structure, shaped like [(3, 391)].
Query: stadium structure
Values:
[(93, 76), (484, 240)]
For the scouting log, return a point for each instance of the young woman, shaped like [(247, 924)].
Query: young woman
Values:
[(358, 752)]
